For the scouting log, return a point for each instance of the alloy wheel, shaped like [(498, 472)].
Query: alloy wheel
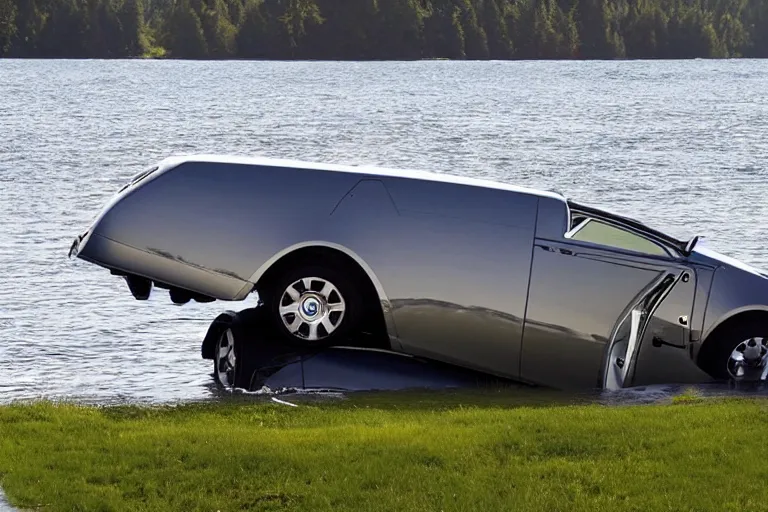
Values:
[(312, 308), (749, 360), (225, 359)]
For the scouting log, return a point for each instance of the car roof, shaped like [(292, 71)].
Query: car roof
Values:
[(360, 169)]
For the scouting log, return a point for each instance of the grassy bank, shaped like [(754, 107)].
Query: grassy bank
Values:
[(377, 453)]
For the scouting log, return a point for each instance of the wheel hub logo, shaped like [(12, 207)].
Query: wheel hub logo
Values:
[(310, 307)]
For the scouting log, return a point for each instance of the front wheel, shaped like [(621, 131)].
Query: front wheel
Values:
[(740, 355), (313, 306), (233, 357)]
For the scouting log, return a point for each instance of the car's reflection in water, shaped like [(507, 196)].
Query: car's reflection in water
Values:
[(354, 369), (274, 369)]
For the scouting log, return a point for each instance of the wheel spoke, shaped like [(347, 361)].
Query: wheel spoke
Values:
[(294, 326), (329, 327), (290, 308), (312, 331), (293, 293), (339, 306), (307, 282), (225, 347), (327, 290)]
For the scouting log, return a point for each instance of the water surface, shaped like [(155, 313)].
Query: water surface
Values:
[(681, 145)]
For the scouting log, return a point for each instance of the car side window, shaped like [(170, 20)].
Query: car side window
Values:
[(598, 232)]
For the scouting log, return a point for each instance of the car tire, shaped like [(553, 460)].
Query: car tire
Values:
[(721, 357), (314, 306), (234, 361)]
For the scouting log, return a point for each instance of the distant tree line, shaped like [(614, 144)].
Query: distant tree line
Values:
[(384, 29)]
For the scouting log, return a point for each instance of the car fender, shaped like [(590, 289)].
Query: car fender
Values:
[(733, 292), (380, 292)]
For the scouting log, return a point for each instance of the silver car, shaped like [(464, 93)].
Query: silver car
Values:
[(517, 283)]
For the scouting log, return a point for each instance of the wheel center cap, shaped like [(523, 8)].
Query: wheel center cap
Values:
[(310, 307)]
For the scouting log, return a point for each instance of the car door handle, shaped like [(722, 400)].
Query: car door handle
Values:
[(552, 249)]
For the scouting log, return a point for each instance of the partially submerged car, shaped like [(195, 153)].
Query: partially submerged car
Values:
[(514, 282), (248, 355)]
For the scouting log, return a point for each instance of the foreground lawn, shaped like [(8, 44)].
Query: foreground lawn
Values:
[(376, 453)]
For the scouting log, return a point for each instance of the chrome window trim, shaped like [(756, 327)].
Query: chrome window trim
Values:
[(578, 228), (569, 235)]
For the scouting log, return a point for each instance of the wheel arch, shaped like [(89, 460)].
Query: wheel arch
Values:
[(738, 316), (333, 251)]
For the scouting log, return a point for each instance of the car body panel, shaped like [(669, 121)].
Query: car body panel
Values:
[(168, 215), (552, 218), (162, 267), (578, 293), (735, 288), (479, 274), (441, 311)]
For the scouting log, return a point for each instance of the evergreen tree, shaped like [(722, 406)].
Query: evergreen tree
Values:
[(475, 40), (131, 16), (499, 43), (385, 29), (185, 33), (598, 29), (733, 37), (521, 24), (644, 30), (398, 33), (443, 33), (345, 32), (65, 31), (7, 25), (252, 38), (220, 34), (756, 23)]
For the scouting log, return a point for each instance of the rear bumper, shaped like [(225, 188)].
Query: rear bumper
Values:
[(161, 268)]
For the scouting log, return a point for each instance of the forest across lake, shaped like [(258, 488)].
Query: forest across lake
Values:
[(384, 29)]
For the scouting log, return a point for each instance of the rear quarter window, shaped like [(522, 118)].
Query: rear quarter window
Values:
[(605, 234)]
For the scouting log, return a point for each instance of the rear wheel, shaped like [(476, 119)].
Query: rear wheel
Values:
[(313, 305), (739, 354)]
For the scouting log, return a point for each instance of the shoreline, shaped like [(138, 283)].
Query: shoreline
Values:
[(362, 61)]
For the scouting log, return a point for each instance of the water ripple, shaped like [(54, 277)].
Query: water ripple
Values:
[(682, 145)]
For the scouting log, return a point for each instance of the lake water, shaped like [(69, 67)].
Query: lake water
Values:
[(681, 145)]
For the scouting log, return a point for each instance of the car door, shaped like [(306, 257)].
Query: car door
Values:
[(601, 291)]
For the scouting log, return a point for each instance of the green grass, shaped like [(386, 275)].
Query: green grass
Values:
[(690, 395), (388, 452)]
